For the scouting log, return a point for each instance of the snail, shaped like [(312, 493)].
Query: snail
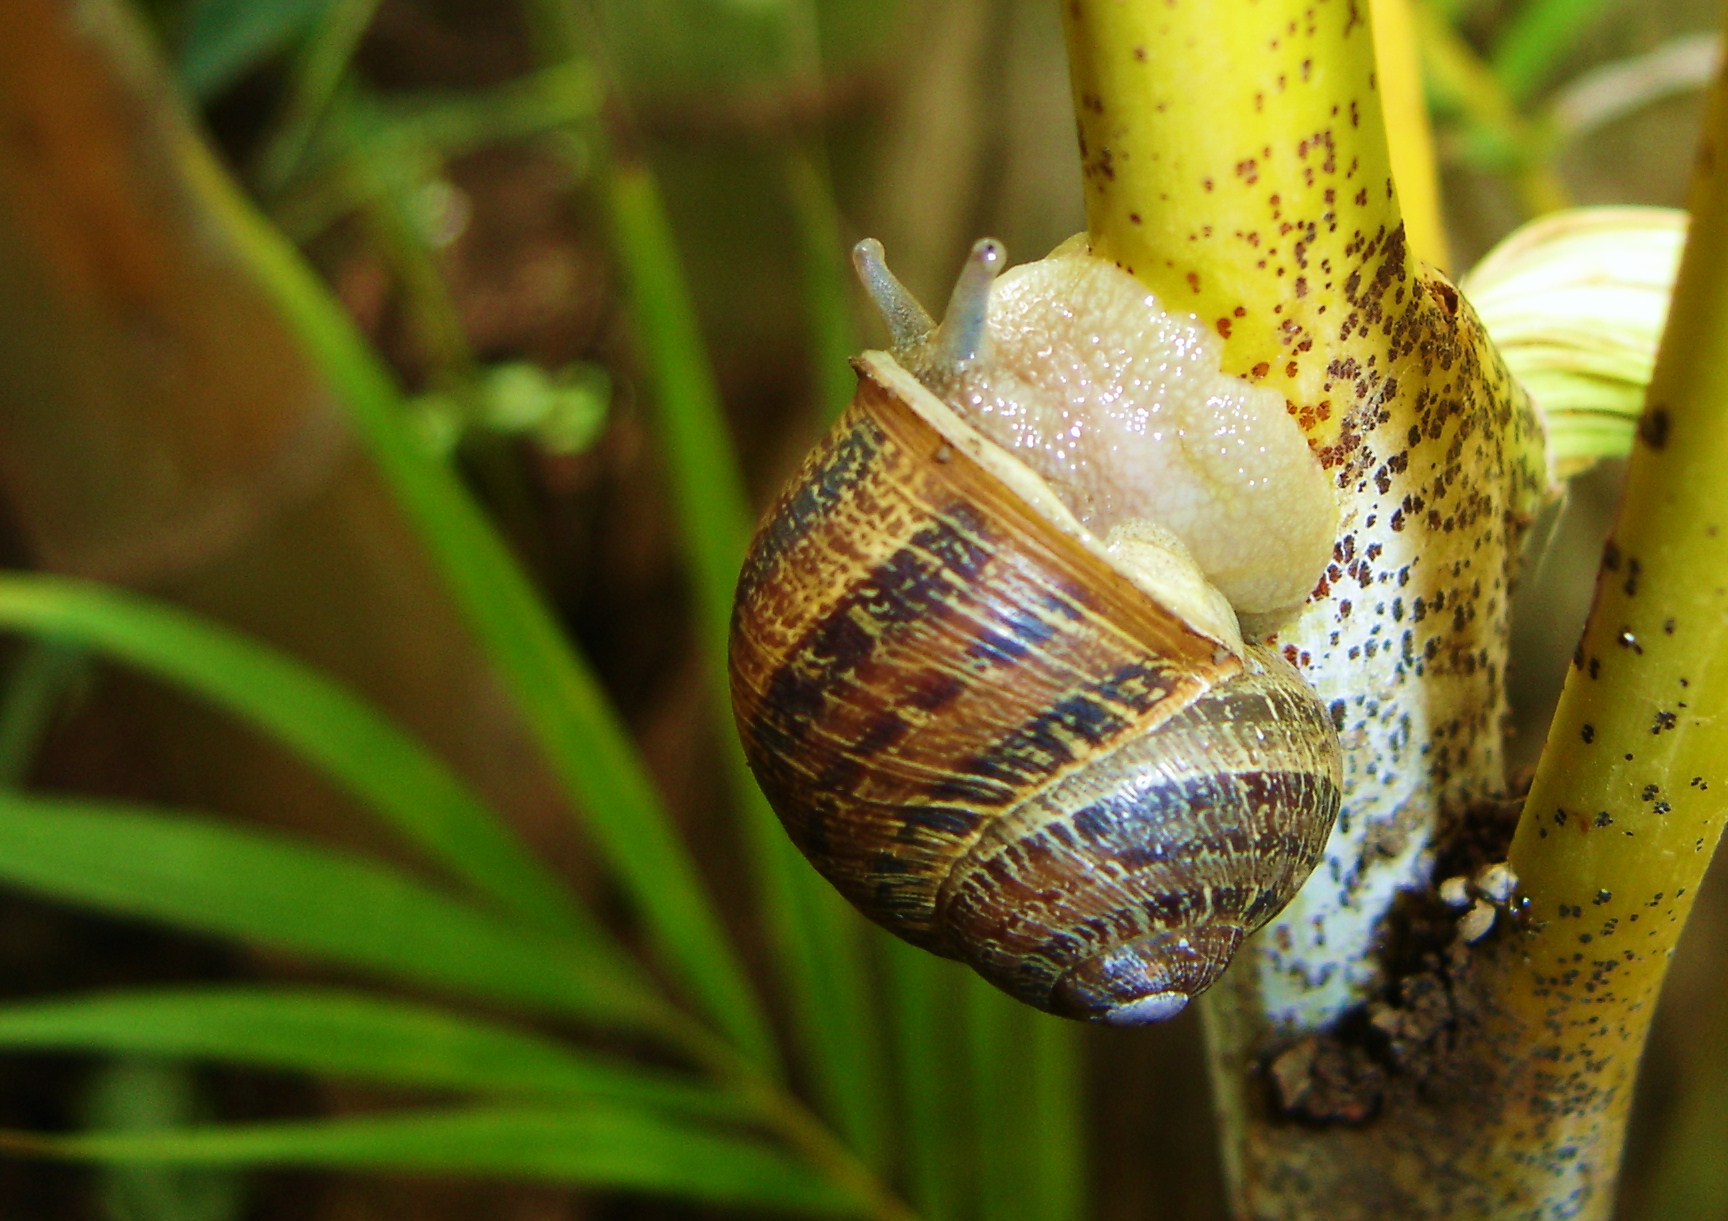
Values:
[(987, 655)]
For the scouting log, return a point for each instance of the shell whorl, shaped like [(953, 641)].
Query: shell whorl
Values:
[(1123, 890), (999, 745)]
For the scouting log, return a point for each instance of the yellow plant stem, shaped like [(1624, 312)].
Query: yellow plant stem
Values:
[(1235, 161), (1629, 800), (1410, 134)]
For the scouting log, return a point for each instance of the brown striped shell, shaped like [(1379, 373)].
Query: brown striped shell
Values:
[(1001, 743)]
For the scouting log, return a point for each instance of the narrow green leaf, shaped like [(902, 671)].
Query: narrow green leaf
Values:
[(827, 281), (1055, 1134), (338, 174), (595, 1147), (820, 942), (146, 1095), (323, 722), (816, 938), (839, 1017), (30, 694), (932, 1077), (558, 98), (1025, 1087), (278, 891), (352, 1036), (559, 698), (317, 74), (1537, 40), (708, 492), (225, 38), (997, 1098), (814, 935)]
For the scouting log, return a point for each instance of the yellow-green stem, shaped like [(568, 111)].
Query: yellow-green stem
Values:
[(1629, 800), (1408, 130), (1236, 162)]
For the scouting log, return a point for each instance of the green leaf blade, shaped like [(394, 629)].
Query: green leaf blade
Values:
[(349, 1036), (1025, 1089), (1056, 1139), (226, 38), (592, 1147), (990, 1044), (1537, 40), (560, 699), (273, 890), (816, 939), (827, 275), (326, 724), (932, 1079), (148, 1095)]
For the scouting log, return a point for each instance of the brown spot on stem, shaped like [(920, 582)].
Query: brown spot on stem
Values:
[(1653, 427)]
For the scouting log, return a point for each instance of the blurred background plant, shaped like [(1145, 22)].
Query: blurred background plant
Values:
[(476, 888)]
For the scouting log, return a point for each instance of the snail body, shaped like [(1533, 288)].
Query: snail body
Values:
[(1014, 724)]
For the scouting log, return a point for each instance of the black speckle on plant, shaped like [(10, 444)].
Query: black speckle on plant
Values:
[(1653, 428)]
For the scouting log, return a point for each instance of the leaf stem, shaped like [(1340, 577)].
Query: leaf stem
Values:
[(1631, 794), (1410, 134)]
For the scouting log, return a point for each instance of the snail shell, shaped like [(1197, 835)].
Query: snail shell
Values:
[(1008, 740)]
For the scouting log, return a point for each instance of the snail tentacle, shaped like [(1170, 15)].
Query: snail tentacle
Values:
[(963, 337), (909, 324)]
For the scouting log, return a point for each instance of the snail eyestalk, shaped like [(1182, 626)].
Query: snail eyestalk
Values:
[(908, 323), (1123, 408), (965, 329)]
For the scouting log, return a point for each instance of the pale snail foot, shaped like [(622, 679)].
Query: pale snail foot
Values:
[(1148, 979), (1159, 1007)]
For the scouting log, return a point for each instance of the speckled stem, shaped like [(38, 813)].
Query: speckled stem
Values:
[(1495, 1080), (1630, 797), (1236, 161), (1275, 214)]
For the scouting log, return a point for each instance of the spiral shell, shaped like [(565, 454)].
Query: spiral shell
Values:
[(1007, 742)]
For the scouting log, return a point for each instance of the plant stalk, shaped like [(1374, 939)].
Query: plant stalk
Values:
[(1630, 797), (1237, 162)]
